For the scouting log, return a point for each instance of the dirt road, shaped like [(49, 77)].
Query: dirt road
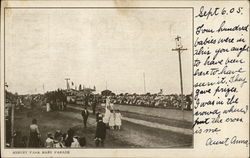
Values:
[(150, 124), (131, 135)]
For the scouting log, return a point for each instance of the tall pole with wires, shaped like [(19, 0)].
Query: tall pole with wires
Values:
[(179, 48)]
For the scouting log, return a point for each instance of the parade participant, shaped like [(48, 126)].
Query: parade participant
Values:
[(34, 139), (107, 112), (49, 141), (86, 100), (85, 115), (47, 107), (58, 139), (75, 143), (118, 119), (69, 137), (98, 116), (108, 101), (100, 134), (112, 119), (106, 116), (94, 103), (82, 142)]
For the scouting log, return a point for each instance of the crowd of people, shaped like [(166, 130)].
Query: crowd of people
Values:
[(56, 140), (64, 140), (59, 139), (111, 118), (55, 100), (153, 100)]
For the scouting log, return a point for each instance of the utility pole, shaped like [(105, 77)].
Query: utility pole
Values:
[(179, 48), (144, 82), (67, 83)]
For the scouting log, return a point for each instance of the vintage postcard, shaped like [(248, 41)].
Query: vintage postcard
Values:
[(123, 78)]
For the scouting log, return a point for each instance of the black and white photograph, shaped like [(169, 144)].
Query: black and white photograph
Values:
[(98, 77)]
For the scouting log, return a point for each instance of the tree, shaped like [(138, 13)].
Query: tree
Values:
[(106, 93)]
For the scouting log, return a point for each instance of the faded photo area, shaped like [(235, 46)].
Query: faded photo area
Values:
[(98, 77)]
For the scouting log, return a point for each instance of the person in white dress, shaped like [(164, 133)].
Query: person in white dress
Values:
[(106, 116), (107, 111), (75, 143), (49, 143), (112, 120), (118, 119), (47, 107)]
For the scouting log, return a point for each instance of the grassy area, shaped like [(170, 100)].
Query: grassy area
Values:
[(130, 136), (150, 118), (52, 121), (165, 121), (142, 136)]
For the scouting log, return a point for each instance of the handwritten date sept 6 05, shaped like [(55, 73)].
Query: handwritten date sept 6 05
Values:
[(218, 11)]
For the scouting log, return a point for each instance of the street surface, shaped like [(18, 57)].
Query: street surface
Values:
[(140, 129)]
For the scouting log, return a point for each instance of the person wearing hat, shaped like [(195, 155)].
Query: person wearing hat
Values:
[(49, 143), (58, 140), (75, 143), (85, 115)]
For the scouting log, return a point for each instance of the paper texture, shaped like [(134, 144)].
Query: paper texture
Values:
[(169, 78)]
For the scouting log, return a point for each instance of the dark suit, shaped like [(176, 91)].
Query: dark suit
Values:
[(100, 134), (85, 115)]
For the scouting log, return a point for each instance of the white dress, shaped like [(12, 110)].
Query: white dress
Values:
[(75, 143), (118, 119), (112, 119), (48, 107), (49, 143), (106, 116)]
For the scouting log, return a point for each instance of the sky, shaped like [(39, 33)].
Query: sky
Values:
[(98, 47)]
